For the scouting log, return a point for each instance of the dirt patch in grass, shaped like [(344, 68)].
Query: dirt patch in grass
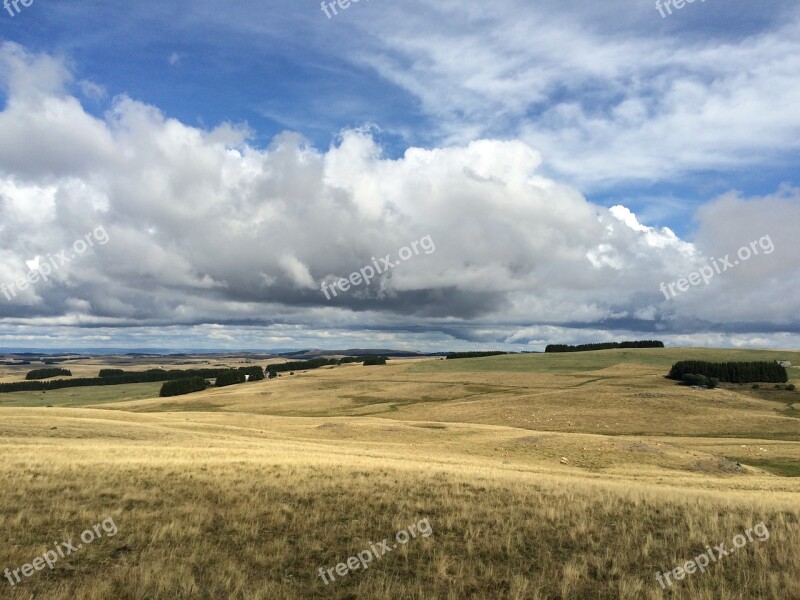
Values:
[(716, 465)]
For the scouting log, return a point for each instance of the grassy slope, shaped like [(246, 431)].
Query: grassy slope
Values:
[(245, 492), (81, 396), (609, 392)]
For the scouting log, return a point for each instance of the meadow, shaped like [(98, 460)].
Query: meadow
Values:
[(542, 477)]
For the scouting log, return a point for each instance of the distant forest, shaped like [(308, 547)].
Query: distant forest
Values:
[(453, 355), (604, 346)]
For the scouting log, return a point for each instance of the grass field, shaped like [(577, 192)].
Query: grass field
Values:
[(541, 476), (81, 396)]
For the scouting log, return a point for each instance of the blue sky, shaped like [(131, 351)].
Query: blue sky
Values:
[(664, 116)]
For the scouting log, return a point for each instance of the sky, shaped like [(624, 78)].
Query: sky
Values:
[(193, 175)]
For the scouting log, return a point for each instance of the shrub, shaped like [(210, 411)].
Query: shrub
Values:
[(695, 379), (231, 377), (179, 387), (47, 373), (791, 387), (756, 386), (712, 382)]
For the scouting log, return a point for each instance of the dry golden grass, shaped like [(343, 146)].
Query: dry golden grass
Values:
[(245, 492), (621, 399)]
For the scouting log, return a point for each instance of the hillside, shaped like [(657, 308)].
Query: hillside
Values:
[(542, 476)]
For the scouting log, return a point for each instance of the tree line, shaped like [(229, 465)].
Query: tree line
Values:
[(179, 387), (224, 378), (316, 363), (47, 373), (231, 377), (732, 372), (372, 361), (301, 365), (604, 346), (111, 372), (454, 355), (126, 377)]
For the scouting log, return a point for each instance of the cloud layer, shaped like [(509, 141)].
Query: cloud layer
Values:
[(620, 96), (207, 229)]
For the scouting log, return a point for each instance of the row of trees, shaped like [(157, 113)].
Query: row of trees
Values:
[(372, 361), (111, 372), (352, 359), (604, 346), (732, 372), (316, 363), (231, 377), (127, 377), (454, 355), (256, 373), (56, 384), (224, 378), (301, 365), (179, 387), (47, 373)]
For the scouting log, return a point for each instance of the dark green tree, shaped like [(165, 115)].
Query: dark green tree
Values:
[(180, 387), (231, 377)]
